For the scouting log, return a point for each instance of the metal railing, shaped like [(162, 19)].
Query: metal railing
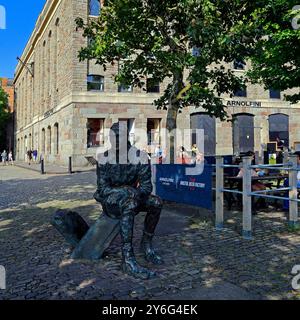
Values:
[(247, 192)]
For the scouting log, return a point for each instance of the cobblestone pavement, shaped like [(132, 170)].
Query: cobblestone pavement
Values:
[(197, 257)]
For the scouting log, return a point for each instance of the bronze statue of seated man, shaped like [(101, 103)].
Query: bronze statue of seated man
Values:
[(124, 189)]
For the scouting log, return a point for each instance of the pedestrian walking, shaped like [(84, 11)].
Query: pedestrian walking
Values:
[(4, 157), (29, 156), (10, 158), (35, 154)]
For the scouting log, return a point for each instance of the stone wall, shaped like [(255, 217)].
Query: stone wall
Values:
[(56, 98)]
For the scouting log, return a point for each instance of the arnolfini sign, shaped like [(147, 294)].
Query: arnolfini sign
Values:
[(241, 103), (2, 17)]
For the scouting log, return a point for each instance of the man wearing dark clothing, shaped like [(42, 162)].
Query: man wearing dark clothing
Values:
[(124, 190)]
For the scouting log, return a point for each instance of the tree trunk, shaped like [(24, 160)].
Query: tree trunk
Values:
[(171, 126), (174, 106)]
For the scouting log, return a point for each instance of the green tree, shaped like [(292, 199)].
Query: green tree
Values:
[(276, 56), (188, 42), (4, 116), (156, 39)]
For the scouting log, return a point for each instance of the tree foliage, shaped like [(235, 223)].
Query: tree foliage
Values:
[(155, 39), (276, 58), (4, 115), (158, 39)]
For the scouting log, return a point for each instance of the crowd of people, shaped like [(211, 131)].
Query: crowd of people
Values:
[(31, 156), (183, 156)]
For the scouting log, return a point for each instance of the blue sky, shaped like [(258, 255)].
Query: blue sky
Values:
[(20, 20)]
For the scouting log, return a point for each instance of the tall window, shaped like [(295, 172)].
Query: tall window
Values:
[(56, 139), (95, 83), (94, 7), (243, 133), (49, 138), (153, 131), (26, 144), (275, 94), (152, 86), (208, 124), (30, 141), (95, 132), (241, 93), (130, 123), (279, 128), (43, 141)]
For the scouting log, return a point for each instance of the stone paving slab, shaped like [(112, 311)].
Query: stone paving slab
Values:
[(38, 264), (214, 289)]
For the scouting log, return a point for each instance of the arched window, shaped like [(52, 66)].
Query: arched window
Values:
[(208, 124), (94, 7), (56, 139), (279, 128), (43, 146), (30, 142), (243, 133), (25, 144), (49, 140)]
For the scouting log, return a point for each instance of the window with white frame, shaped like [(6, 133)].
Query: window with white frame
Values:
[(95, 83)]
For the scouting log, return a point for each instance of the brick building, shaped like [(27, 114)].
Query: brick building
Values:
[(63, 105), (8, 87)]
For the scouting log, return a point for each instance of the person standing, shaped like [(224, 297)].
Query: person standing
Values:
[(29, 156), (159, 153), (4, 157), (286, 183), (35, 154), (280, 143), (195, 150), (10, 158)]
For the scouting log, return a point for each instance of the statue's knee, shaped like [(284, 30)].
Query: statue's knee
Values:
[(129, 205)]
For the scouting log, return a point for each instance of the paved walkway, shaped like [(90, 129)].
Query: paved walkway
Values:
[(200, 262)]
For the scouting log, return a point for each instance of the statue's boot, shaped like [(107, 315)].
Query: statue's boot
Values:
[(147, 248), (131, 267), (129, 263)]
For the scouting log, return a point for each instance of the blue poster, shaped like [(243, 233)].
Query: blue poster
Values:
[(173, 184)]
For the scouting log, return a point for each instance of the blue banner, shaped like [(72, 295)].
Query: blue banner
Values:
[(173, 184)]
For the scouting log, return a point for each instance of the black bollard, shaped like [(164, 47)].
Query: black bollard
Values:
[(42, 167), (70, 165)]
